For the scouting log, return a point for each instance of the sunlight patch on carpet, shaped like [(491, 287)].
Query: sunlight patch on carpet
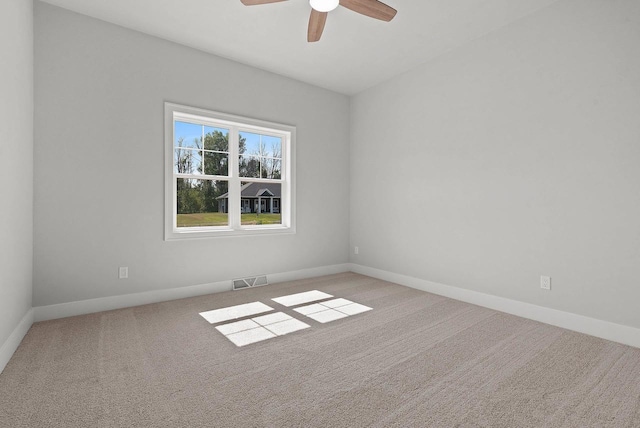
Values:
[(332, 310), (235, 312), (300, 298), (261, 328), (327, 316), (250, 336)]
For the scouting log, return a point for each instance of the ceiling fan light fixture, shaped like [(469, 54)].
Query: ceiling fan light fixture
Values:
[(324, 5)]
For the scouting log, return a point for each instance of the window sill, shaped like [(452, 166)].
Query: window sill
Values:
[(204, 233)]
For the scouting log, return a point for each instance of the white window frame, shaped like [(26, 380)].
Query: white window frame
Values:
[(235, 125)]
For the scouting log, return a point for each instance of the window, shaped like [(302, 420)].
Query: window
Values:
[(226, 175)]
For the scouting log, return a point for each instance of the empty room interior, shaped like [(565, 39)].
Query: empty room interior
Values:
[(272, 213)]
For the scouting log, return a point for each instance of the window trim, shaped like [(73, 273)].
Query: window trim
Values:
[(235, 124)]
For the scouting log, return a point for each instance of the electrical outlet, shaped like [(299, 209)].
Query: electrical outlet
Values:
[(545, 282), (123, 272), (356, 250)]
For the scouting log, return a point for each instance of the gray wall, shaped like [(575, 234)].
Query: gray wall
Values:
[(99, 162), (515, 156), (16, 154)]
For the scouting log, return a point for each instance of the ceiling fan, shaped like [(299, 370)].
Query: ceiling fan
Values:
[(321, 8)]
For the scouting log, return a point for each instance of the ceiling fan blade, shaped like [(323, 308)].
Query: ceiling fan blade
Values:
[(316, 25), (256, 2), (373, 8)]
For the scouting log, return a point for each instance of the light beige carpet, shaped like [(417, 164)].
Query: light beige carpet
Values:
[(415, 360)]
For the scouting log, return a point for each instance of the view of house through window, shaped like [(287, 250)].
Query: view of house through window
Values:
[(209, 193)]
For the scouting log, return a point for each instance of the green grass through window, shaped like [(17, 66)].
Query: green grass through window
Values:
[(222, 219)]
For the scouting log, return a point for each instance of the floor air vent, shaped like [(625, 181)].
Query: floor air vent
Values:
[(253, 281)]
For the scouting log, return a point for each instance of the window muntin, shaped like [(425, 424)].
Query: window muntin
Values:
[(209, 196)]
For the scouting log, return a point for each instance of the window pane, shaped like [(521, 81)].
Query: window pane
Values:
[(249, 166), (216, 139), (201, 203), (262, 155), (271, 168), (187, 135), (250, 142), (271, 146), (187, 161), (260, 203), (216, 163)]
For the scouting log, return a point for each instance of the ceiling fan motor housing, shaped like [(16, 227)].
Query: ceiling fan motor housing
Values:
[(324, 5)]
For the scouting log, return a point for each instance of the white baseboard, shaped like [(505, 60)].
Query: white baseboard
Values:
[(44, 313), (308, 273), (582, 324), (11, 344)]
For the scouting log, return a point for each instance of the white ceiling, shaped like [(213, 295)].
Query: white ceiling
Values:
[(355, 52)]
